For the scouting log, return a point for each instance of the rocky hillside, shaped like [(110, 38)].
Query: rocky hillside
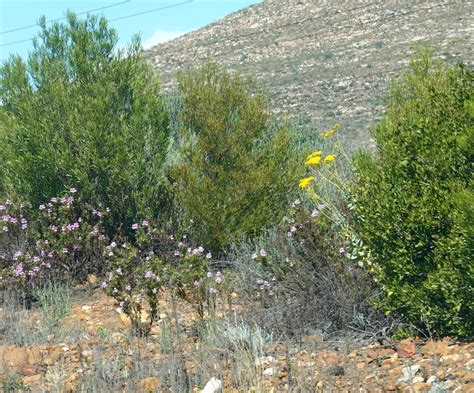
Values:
[(325, 61)]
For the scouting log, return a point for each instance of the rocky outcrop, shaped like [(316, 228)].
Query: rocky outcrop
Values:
[(325, 61)]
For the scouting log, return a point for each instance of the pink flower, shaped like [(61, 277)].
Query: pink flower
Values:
[(208, 255), (263, 253), (72, 190), (145, 223), (134, 226)]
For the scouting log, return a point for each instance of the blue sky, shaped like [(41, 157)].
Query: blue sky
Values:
[(177, 17)]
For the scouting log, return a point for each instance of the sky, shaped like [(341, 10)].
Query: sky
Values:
[(168, 18)]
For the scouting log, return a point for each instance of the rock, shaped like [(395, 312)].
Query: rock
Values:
[(332, 359), (32, 379), (34, 355), (213, 385), (149, 385), (87, 309), (406, 348), (269, 371), (418, 379), (72, 377), (450, 358), (419, 387), (432, 379), (29, 370), (265, 361), (409, 373), (91, 279), (437, 388), (14, 356), (470, 365)]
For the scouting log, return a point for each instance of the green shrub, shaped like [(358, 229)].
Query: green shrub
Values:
[(79, 112), (236, 171), (414, 198)]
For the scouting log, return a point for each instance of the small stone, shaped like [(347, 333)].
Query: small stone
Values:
[(418, 379), (149, 385), (265, 361), (432, 379), (91, 279), (212, 386), (409, 373), (32, 379), (269, 371), (72, 377), (34, 355), (450, 358), (87, 309), (470, 365), (30, 370), (406, 348), (419, 387), (437, 388)]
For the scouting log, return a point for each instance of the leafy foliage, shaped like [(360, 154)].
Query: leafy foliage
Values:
[(236, 172), (58, 241), (81, 112), (413, 199), (138, 273)]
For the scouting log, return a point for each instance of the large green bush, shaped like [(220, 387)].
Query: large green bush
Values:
[(236, 171), (414, 198), (83, 113)]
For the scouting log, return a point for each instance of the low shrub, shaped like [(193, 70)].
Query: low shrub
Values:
[(56, 241), (139, 271), (413, 199)]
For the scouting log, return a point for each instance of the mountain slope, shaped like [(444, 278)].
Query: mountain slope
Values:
[(325, 61)]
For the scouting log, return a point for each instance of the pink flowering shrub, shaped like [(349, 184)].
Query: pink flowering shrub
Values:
[(156, 261), (58, 240)]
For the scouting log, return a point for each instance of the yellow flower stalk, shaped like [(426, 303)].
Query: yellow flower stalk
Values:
[(327, 133), (304, 183), (313, 160), (329, 158)]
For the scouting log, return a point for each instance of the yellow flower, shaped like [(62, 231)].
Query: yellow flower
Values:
[(329, 158), (327, 133), (304, 183), (318, 153), (313, 160)]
